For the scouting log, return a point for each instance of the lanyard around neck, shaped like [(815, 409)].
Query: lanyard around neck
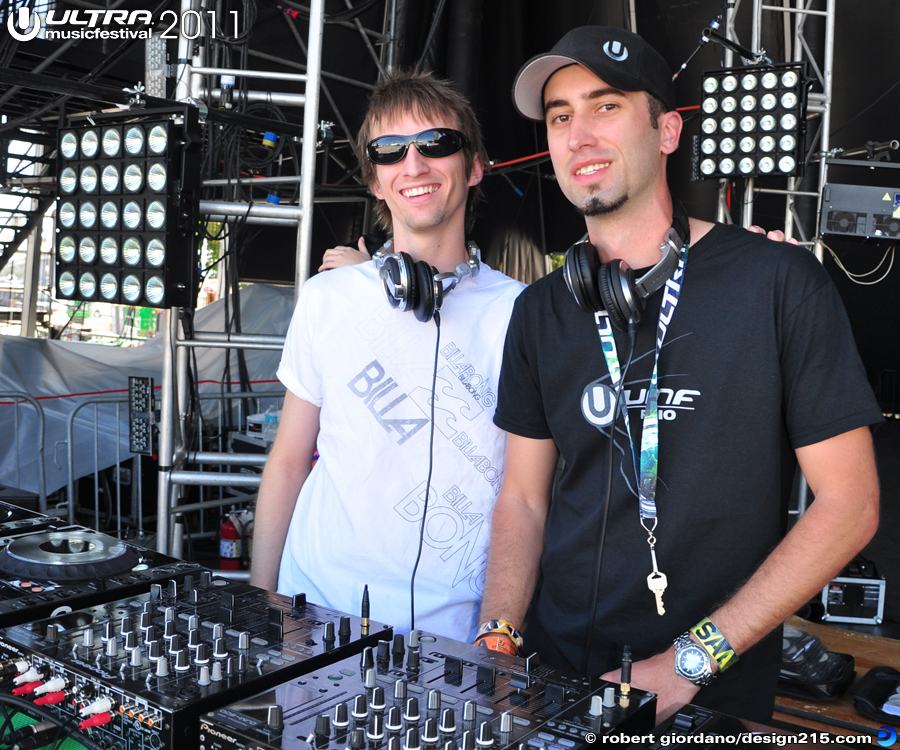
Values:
[(646, 474)]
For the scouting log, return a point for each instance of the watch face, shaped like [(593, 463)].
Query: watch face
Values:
[(691, 661)]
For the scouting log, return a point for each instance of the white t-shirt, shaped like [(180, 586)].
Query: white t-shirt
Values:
[(357, 520)]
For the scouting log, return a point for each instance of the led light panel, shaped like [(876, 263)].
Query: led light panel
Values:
[(127, 213), (753, 122)]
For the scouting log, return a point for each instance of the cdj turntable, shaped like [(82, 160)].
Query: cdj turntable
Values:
[(138, 672), (53, 571), (431, 692)]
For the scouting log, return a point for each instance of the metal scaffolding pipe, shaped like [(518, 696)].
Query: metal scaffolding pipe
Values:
[(281, 98), (255, 220), (308, 148), (226, 459), (274, 75), (239, 339), (209, 505), (260, 210), (212, 479)]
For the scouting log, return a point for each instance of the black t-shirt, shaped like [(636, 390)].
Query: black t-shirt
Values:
[(758, 360)]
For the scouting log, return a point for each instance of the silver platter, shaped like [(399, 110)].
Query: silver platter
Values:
[(66, 548)]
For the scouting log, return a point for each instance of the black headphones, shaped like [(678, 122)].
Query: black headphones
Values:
[(415, 285), (611, 286)]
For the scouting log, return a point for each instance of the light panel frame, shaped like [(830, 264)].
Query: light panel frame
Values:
[(179, 199), (752, 122)]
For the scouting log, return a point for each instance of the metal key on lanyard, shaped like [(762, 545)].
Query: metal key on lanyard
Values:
[(656, 581)]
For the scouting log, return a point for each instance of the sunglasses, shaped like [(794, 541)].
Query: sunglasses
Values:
[(434, 143)]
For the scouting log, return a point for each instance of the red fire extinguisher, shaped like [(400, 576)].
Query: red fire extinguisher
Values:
[(230, 544)]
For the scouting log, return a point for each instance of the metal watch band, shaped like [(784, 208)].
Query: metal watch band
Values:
[(705, 676)]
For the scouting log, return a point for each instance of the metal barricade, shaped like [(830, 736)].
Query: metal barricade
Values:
[(18, 400), (136, 494)]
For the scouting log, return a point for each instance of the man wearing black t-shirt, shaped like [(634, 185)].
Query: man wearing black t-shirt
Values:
[(733, 362)]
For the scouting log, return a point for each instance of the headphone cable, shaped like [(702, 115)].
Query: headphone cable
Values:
[(412, 580), (589, 640)]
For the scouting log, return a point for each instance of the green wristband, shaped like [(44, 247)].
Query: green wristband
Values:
[(715, 643)]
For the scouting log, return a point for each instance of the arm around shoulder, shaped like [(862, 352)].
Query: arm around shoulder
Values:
[(287, 468)]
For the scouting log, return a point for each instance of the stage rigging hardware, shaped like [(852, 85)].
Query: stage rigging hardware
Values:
[(139, 671), (424, 691)]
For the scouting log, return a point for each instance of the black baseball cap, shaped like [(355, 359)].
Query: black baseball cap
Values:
[(619, 57)]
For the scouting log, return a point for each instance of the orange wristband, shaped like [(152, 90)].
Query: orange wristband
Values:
[(498, 642)]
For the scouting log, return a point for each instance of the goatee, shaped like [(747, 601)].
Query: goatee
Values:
[(598, 207)]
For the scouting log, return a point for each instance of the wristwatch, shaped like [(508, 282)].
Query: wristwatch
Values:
[(692, 661)]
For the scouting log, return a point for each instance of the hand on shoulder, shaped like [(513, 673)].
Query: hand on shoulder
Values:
[(335, 257), (776, 234)]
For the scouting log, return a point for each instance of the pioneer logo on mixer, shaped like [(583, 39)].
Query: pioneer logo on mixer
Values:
[(220, 735)]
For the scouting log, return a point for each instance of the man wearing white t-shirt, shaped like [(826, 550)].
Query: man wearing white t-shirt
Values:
[(391, 369)]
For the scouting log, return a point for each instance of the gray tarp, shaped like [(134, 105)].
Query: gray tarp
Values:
[(61, 374)]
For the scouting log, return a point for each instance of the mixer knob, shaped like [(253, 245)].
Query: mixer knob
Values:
[(400, 690), (202, 655), (448, 721), (394, 721), (341, 717), (112, 647), (182, 661), (430, 733), (360, 708), (485, 736), (162, 667), (375, 729), (412, 739), (193, 638), (377, 699), (130, 640), (344, 629), (154, 650), (175, 644), (203, 679), (219, 650), (328, 631), (367, 660), (323, 726), (244, 640), (412, 709), (506, 722), (434, 700), (275, 719), (173, 589), (109, 631)]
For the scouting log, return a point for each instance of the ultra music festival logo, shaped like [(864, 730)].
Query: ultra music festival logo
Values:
[(24, 24)]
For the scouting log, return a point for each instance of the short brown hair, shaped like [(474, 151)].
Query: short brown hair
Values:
[(427, 96)]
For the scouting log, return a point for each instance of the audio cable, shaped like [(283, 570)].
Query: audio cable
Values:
[(589, 639), (412, 580)]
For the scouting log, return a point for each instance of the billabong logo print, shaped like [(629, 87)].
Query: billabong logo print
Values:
[(29, 26), (616, 51), (598, 403)]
